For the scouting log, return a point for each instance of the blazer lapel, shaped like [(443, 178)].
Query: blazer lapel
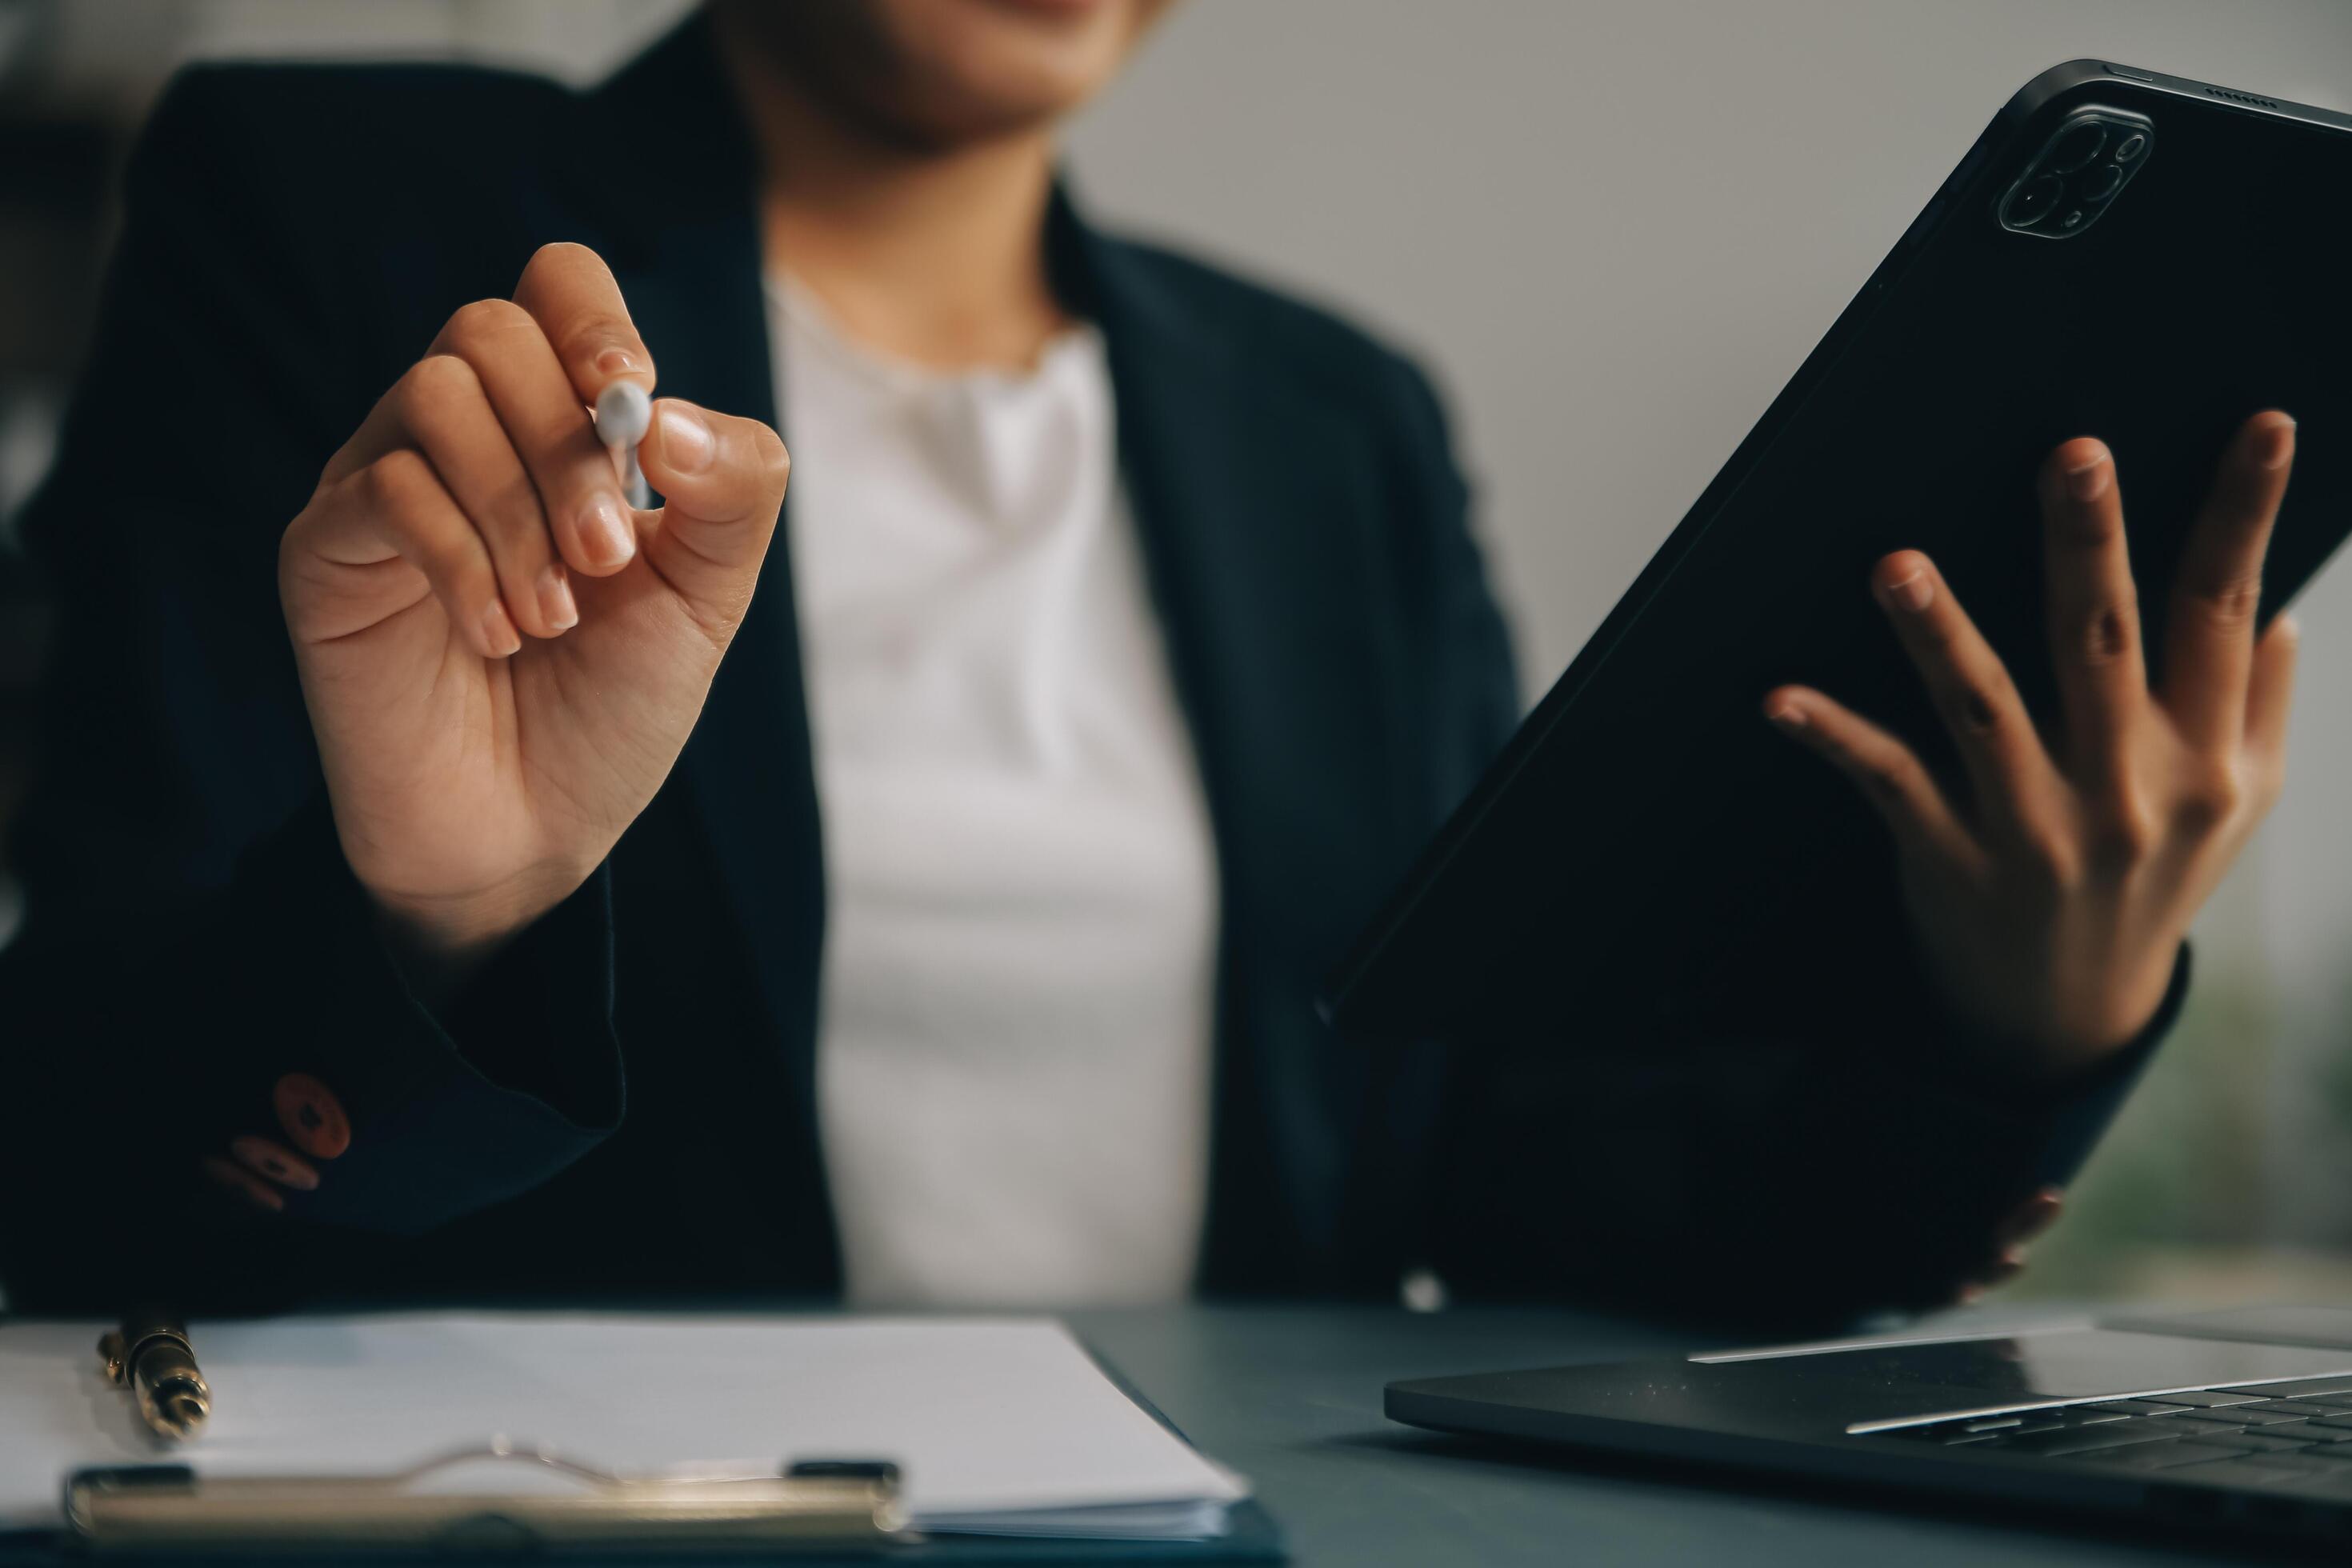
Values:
[(686, 251), (1260, 513)]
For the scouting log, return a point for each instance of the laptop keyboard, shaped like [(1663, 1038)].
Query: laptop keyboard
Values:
[(2288, 1436)]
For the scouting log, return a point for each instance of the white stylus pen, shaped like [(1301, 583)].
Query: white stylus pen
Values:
[(624, 415)]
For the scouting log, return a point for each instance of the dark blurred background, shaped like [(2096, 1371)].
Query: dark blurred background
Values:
[(1614, 227)]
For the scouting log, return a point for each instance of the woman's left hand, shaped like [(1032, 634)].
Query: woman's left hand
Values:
[(2051, 907)]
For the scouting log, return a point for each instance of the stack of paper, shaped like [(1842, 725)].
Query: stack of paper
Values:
[(999, 1428)]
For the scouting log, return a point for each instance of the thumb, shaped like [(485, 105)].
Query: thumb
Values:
[(722, 480)]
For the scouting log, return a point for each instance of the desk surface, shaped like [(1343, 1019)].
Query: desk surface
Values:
[(1291, 1397)]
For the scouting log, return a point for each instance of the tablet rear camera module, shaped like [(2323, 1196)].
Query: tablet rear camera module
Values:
[(2082, 167), (2033, 201), (2077, 146)]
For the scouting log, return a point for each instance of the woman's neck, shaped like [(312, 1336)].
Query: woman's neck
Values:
[(936, 256)]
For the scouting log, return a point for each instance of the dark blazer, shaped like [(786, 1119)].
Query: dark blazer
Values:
[(622, 1107)]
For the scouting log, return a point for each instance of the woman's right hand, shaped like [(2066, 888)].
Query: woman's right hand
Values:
[(501, 660)]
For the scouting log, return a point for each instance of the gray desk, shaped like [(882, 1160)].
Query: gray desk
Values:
[(1291, 1397)]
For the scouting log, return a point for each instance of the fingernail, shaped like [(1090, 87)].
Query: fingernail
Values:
[(1914, 593), (260, 1154), (311, 1116), (555, 601), (604, 531), (2278, 445), (1788, 716), (616, 361), (499, 634), (686, 444), (2088, 481)]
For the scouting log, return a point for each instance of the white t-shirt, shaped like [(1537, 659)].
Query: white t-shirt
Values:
[(1014, 1051)]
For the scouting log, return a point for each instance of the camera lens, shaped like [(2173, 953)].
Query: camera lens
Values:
[(2130, 147), (2078, 147), (2033, 201), (2102, 182)]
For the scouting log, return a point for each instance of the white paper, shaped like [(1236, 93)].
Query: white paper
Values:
[(989, 1420)]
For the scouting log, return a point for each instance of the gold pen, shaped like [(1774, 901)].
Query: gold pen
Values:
[(150, 1356)]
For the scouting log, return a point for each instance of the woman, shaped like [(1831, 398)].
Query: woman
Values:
[(595, 901)]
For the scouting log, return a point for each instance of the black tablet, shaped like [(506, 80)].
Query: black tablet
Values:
[(2121, 254)]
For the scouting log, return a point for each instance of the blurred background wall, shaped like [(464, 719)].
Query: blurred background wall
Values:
[(1614, 227)]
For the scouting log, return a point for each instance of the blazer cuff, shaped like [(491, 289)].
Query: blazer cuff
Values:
[(1931, 1162), (2078, 1114), (448, 1114), (2065, 1119)]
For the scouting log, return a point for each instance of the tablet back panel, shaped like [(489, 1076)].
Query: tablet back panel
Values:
[(1642, 838)]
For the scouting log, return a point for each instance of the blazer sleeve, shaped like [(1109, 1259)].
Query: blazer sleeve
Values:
[(1767, 1170), (193, 932)]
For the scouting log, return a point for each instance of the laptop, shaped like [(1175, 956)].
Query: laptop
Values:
[(2240, 1419)]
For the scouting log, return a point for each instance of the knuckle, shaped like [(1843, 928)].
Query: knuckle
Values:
[(484, 323), (2048, 860), (2125, 834), (514, 503), (2214, 795), (1977, 700), (441, 376), (370, 492), (432, 387), (374, 489), (2228, 605), (1971, 711), (395, 482), (266, 1158), (2107, 633), (562, 447), (591, 336)]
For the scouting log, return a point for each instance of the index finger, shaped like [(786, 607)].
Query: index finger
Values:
[(2209, 645), (569, 292)]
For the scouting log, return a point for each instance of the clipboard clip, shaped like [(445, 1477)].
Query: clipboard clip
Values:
[(828, 1505)]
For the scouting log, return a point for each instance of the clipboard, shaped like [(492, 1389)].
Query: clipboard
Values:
[(832, 1507), (164, 1512), (977, 1418)]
